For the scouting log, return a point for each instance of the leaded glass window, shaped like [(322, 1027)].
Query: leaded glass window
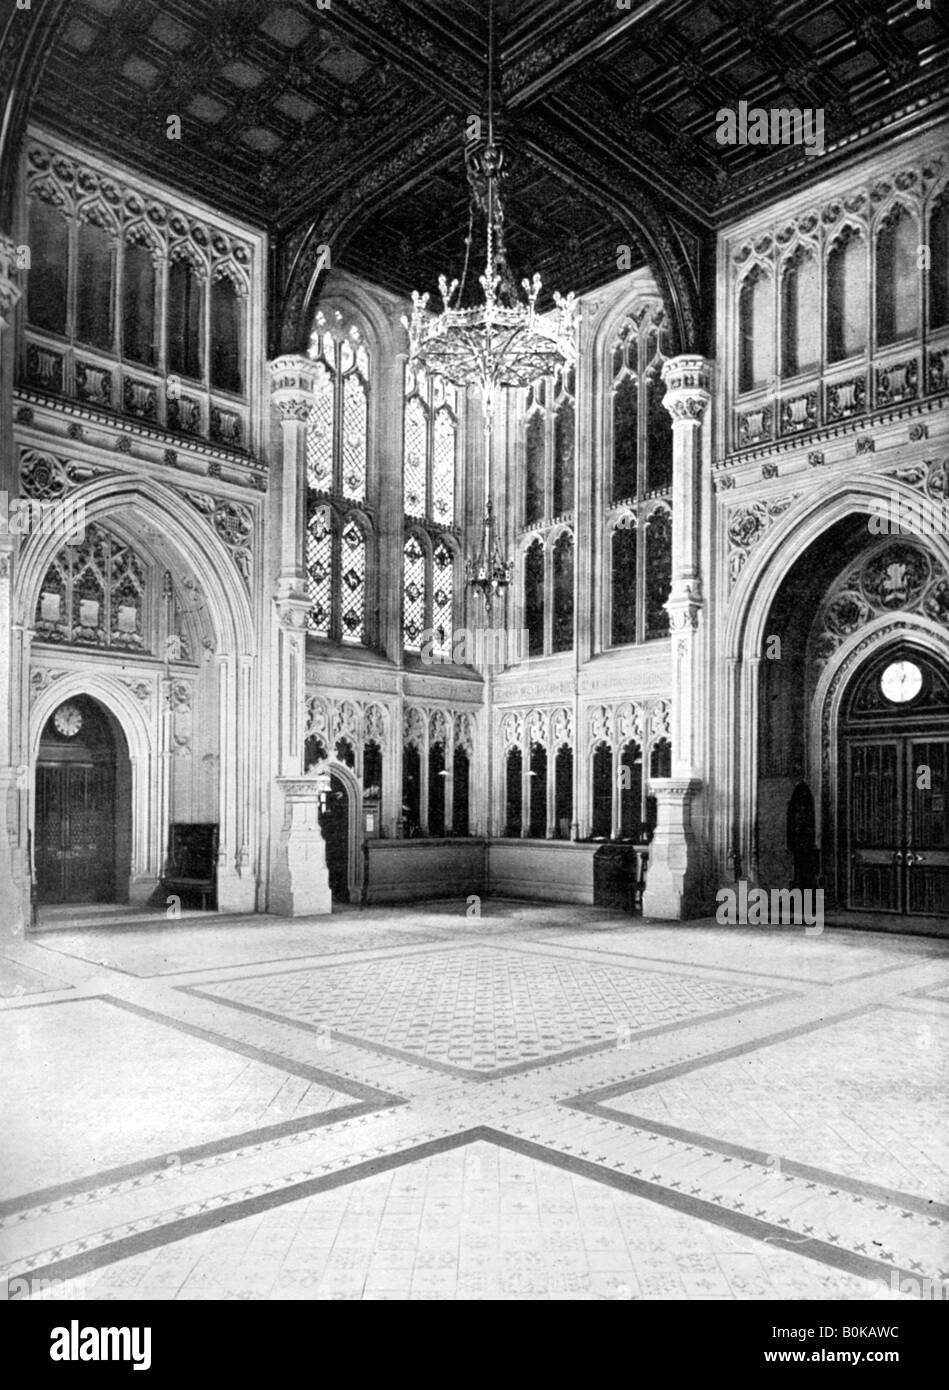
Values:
[(339, 538), (413, 586), (800, 314), (319, 569), (562, 636), (353, 566), (429, 461), (534, 597), (640, 471), (658, 571), (755, 328)]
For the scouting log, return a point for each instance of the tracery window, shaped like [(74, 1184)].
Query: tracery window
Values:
[(429, 461), (547, 500), (340, 537), (637, 558), (336, 567), (94, 594)]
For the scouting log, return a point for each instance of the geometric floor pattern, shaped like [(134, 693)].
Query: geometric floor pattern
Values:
[(486, 1009), (543, 1103)]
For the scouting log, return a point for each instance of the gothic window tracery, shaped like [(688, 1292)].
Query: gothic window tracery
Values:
[(340, 536), (95, 594), (429, 462), (639, 471)]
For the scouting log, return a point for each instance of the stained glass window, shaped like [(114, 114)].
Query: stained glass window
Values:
[(319, 435), (563, 593), (413, 567), (94, 594), (623, 586), (534, 469), (641, 467), (534, 597), (563, 457), (443, 583), (353, 583), (443, 467), (319, 569), (658, 572), (413, 466), (429, 459), (337, 454), (354, 437)]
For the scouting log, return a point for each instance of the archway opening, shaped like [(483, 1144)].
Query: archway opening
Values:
[(853, 593), (893, 785), (83, 825)]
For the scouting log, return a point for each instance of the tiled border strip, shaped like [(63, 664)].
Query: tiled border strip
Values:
[(158, 1235), (592, 1103), (367, 1099)]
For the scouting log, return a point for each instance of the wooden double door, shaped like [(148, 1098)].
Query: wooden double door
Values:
[(897, 805), (75, 832)]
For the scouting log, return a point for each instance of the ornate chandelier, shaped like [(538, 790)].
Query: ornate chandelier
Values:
[(499, 342)]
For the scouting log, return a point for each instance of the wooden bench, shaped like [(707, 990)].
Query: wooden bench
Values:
[(192, 860)]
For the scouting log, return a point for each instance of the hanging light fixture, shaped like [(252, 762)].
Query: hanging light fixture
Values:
[(498, 343)]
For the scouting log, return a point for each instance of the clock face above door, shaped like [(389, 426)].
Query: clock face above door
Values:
[(901, 682), (68, 720)]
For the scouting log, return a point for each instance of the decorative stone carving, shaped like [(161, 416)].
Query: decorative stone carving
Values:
[(46, 477), (41, 678), (687, 381), (75, 186), (747, 524), (893, 575), (9, 289), (233, 522)]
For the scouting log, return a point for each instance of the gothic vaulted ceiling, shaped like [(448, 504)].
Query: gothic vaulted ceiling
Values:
[(340, 122)]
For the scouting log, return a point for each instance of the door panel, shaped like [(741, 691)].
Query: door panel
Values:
[(875, 825), (927, 831), (75, 832)]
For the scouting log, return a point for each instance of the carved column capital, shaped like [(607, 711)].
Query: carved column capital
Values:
[(293, 380), (9, 289), (687, 380)]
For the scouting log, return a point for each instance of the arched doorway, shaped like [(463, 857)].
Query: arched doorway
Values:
[(893, 812), (83, 825), (334, 822)]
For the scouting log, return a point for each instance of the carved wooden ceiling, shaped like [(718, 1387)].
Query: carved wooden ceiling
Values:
[(344, 118)]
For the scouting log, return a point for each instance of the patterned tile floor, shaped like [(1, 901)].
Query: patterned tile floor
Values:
[(546, 1103)]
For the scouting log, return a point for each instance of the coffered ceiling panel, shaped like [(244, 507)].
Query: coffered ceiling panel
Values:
[(293, 108)]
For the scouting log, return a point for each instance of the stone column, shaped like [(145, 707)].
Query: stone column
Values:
[(300, 885), (14, 776), (674, 879), (299, 879)]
